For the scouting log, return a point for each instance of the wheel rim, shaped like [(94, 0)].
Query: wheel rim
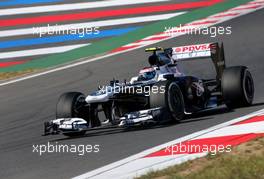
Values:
[(78, 103)]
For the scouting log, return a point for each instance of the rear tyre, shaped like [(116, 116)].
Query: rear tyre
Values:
[(237, 87), (169, 97), (69, 106)]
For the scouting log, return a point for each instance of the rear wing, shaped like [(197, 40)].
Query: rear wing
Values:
[(209, 50)]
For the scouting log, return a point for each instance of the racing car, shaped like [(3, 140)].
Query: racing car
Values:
[(160, 93)]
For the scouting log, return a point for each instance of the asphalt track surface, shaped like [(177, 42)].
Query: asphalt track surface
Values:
[(25, 105)]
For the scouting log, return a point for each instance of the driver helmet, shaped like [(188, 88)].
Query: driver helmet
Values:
[(146, 73)]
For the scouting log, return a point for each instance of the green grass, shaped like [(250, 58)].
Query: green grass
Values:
[(244, 162)]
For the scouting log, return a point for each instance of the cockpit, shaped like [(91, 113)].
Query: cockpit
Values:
[(146, 74)]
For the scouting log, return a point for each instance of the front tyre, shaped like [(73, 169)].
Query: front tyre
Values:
[(237, 87), (170, 99), (71, 105)]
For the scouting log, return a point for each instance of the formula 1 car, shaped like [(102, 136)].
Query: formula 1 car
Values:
[(161, 92)]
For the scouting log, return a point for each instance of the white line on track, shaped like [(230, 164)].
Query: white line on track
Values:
[(75, 6), (104, 23), (59, 68), (115, 170), (236, 130), (39, 51)]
